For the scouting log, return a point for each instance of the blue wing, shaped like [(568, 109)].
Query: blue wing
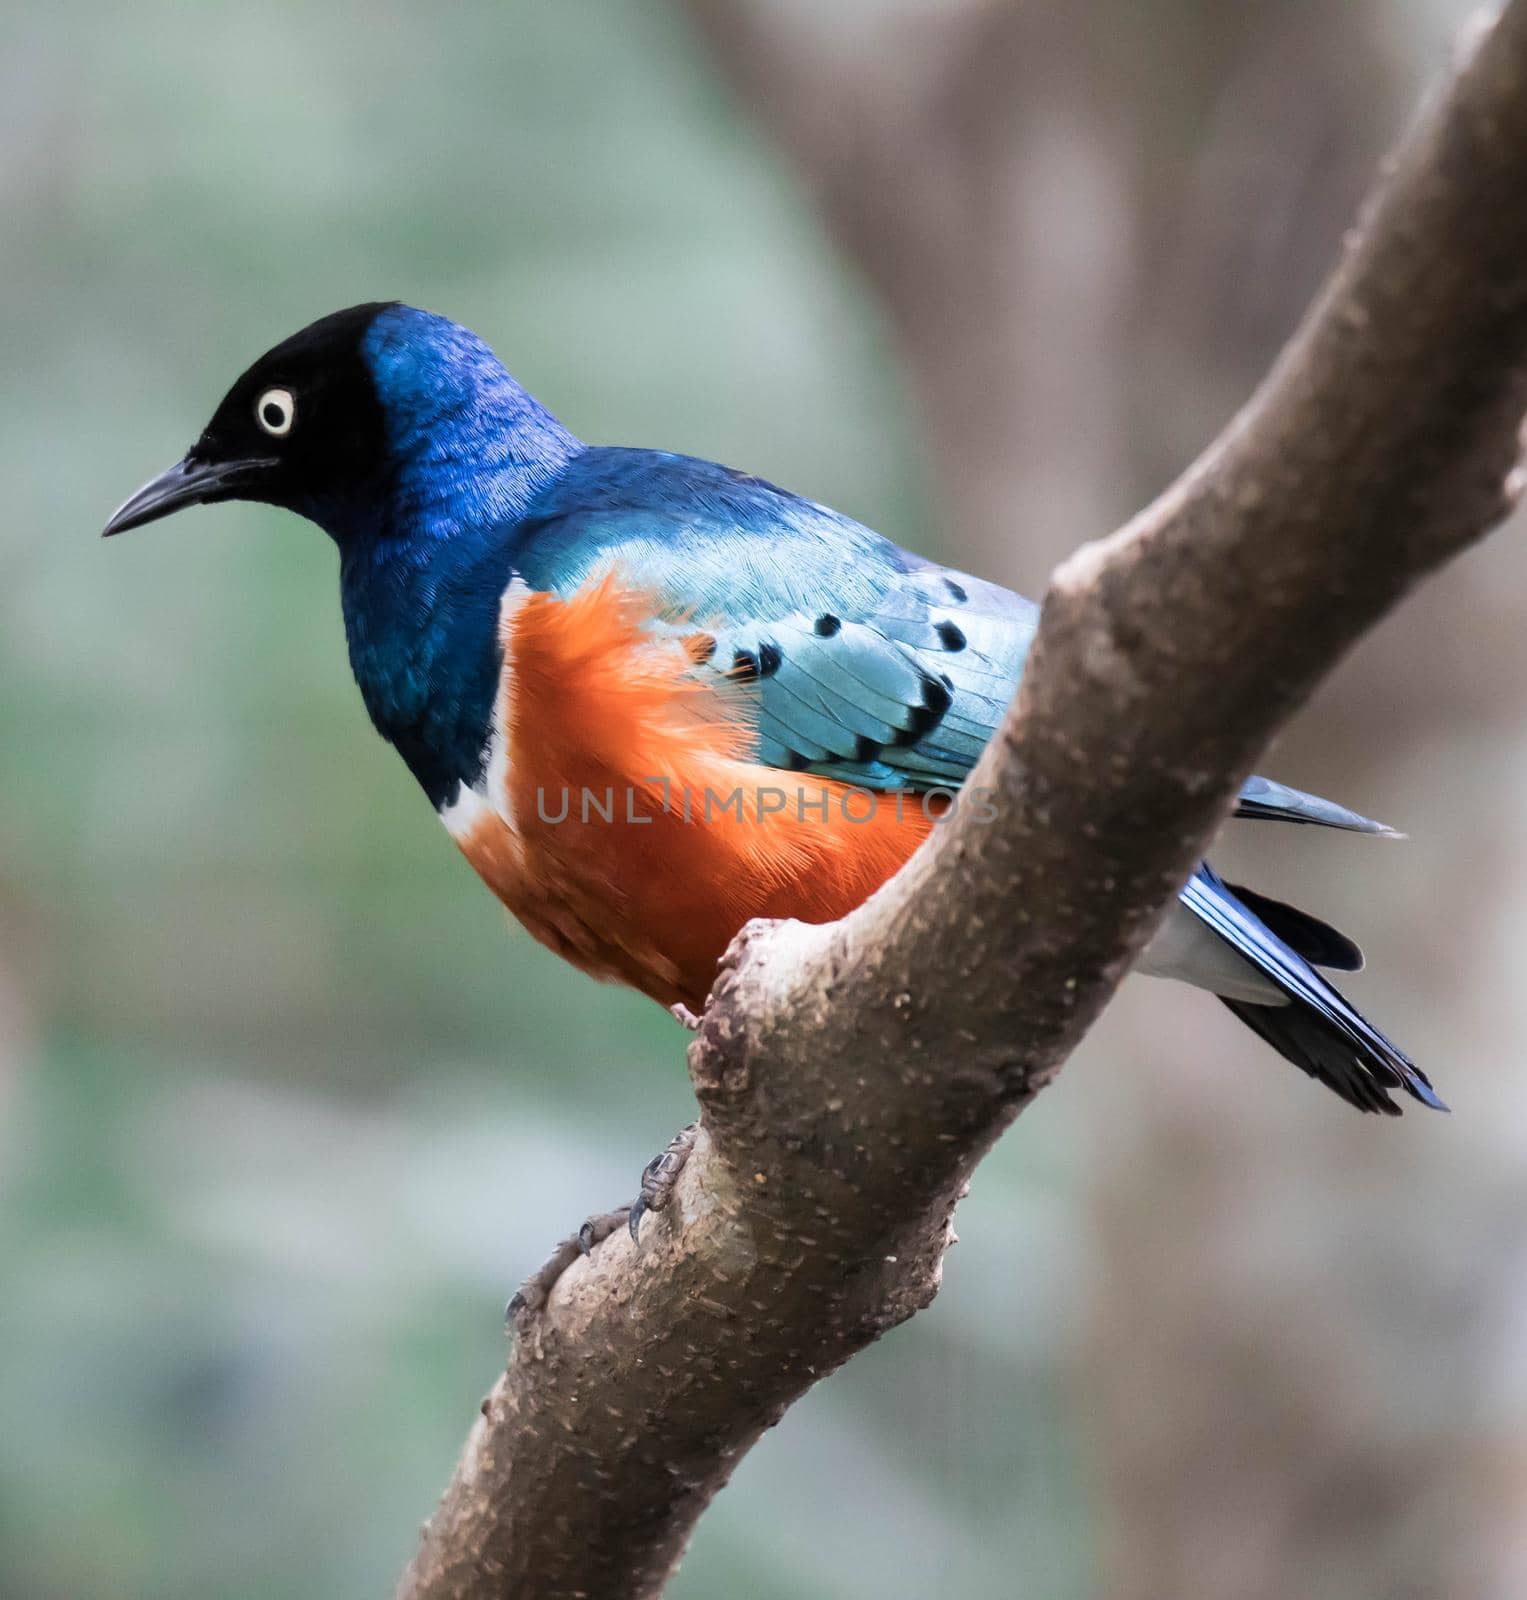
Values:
[(866, 663), (863, 662)]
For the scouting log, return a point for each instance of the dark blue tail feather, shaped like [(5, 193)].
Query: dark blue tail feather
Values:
[(1318, 1030), (1318, 942)]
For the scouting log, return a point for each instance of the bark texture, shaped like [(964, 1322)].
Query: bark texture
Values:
[(851, 1076)]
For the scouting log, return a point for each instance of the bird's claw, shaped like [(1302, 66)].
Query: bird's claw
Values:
[(596, 1230), (685, 1017), (659, 1176), (536, 1289)]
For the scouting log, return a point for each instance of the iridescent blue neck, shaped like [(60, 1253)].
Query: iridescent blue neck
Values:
[(467, 447), (424, 563)]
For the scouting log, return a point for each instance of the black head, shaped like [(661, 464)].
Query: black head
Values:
[(302, 428)]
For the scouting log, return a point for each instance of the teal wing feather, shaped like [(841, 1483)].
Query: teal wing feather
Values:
[(860, 661), (903, 692)]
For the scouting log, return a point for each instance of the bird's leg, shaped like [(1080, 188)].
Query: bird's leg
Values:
[(684, 1017), (659, 1176), (534, 1292)]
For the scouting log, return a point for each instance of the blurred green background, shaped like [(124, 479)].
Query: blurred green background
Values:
[(287, 1110)]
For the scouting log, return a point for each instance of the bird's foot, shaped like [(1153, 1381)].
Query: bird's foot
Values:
[(534, 1292), (659, 1176), (685, 1017)]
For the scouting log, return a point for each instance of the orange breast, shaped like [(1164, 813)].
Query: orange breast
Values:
[(629, 832)]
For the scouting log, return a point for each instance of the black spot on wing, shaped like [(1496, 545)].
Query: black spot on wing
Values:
[(956, 593), (826, 625), (949, 635), (769, 658), (937, 697), (744, 666)]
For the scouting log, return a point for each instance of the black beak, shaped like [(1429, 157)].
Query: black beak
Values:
[(187, 483)]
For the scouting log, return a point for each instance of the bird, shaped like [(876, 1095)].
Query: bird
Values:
[(652, 697)]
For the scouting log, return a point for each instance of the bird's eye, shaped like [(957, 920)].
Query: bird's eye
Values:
[(276, 411)]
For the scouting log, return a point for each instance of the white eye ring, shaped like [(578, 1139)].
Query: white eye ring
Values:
[(276, 411)]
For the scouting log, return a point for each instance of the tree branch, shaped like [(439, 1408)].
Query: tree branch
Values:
[(851, 1076)]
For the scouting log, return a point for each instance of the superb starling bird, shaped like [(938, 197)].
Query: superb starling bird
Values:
[(652, 697)]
